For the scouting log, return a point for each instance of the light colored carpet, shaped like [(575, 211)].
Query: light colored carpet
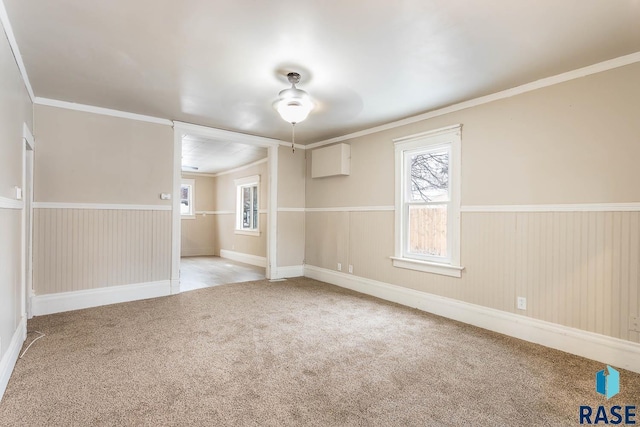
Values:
[(298, 352)]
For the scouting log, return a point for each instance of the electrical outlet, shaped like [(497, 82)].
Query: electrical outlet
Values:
[(634, 323), (350, 269), (521, 303), (339, 267)]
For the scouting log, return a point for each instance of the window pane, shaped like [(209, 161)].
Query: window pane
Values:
[(185, 200), (255, 207), (428, 230), (429, 174), (246, 207)]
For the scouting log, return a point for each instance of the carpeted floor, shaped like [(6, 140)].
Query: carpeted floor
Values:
[(298, 352)]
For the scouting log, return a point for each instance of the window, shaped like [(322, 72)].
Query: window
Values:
[(247, 214), (187, 190), (427, 210)]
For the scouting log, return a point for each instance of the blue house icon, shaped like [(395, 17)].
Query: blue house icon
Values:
[(608, 383)]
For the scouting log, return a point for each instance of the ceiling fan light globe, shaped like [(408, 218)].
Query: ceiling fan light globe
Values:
[(294, 105), (293, 111)]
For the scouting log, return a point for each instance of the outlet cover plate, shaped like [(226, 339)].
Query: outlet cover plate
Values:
[(521, 303)]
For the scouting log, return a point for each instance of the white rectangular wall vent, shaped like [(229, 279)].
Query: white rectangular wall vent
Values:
[(331, 161)]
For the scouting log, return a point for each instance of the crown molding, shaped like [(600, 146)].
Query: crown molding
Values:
[(8, 30), (99, 110), (518, 90), (224, 135), (240, 168), (237, 169), (198, 174), (298, 146)]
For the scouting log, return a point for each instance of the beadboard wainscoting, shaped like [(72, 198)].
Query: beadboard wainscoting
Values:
[(81, 249), (578, 269)]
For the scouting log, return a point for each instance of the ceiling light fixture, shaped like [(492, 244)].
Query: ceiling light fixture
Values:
[(294, 105)]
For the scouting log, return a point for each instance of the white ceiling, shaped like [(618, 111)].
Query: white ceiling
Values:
[(222, 63), (211, 156)]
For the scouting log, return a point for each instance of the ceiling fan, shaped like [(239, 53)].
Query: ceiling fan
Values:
[(293, 105)]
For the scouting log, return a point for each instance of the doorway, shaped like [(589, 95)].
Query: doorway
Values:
[(225, 210)]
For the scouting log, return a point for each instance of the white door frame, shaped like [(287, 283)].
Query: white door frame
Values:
[(179, 130), (28, 147)]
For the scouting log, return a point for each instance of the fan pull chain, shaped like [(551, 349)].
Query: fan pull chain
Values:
[(293, 137)]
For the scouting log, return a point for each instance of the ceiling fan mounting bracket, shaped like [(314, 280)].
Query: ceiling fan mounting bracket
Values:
[(294, 78)]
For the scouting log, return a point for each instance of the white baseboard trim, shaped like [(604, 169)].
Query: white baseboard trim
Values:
[(77, 300), (613, 351), (289, 271), (259, 261), (10, 357), (175, 286), (197, 252)]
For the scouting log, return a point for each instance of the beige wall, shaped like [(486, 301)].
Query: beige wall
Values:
[(575, 142), (225, 196), (291, 177), (291, 198), (227, 239), (89, 158), (291, 202), (15, 110), (198, 234), (225, 201)]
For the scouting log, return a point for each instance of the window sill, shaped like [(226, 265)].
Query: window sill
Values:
[(248, 232), (428, 267), (187, 217)]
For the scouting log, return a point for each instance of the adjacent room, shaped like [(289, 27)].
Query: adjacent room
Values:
[(224, 186), (419, 212)]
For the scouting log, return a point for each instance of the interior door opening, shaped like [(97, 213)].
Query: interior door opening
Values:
[(223, 217)]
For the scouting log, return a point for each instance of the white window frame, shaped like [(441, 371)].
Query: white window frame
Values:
[(449, 137), (250, 181), (192, 199)]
